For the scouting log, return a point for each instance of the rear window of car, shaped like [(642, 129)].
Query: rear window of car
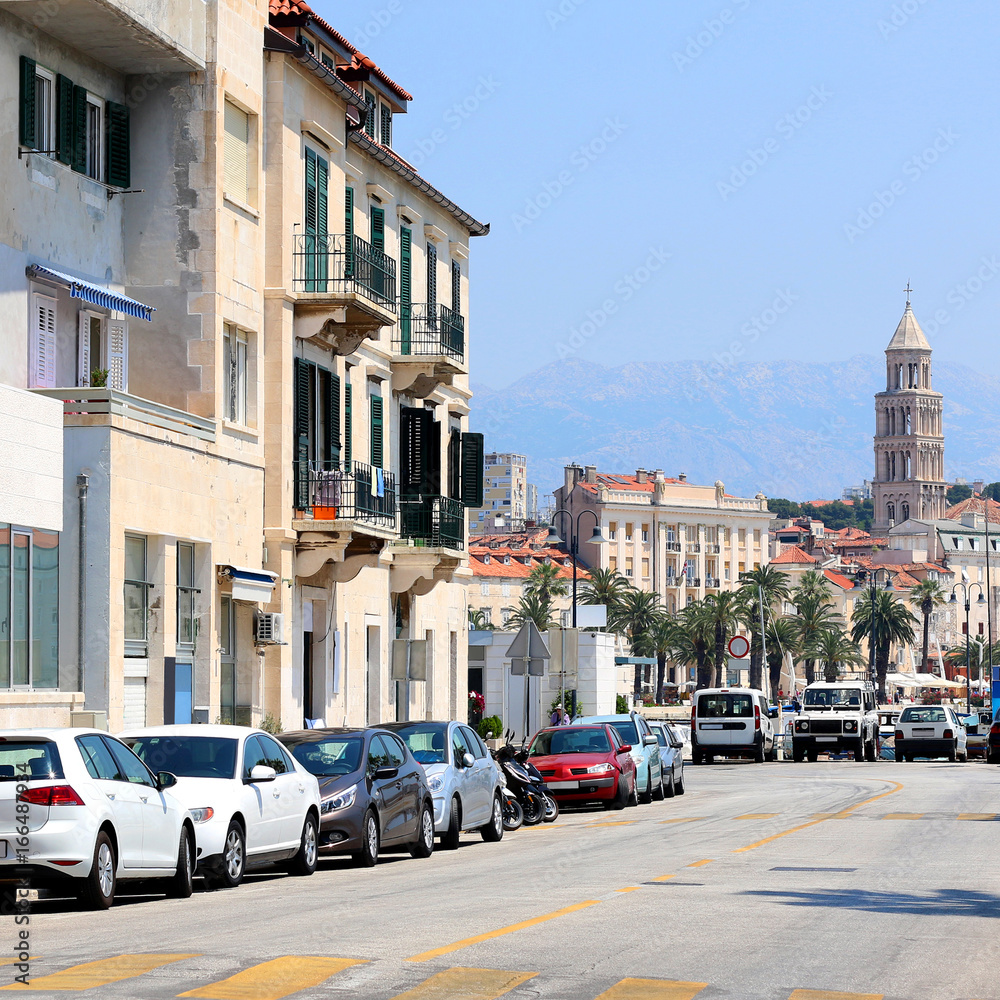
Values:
[(330, 757), (576, 739), (918, 714), (427, 742), (187, 756), (22, 760), (728, 705), (627, 731)]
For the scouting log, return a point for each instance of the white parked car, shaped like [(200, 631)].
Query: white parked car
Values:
[(930, 731), (78, 811), (253, 804), (731, 722)]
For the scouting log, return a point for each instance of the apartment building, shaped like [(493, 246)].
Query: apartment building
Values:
[(677, 539), (506, 494)]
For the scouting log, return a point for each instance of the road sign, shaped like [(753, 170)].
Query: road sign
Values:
[(528, 650), (739, 646)]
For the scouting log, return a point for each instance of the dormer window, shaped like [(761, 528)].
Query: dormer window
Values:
[(385, 123), (527, 560), (486, 558), (506, 560), (371, 122), (309, 46)]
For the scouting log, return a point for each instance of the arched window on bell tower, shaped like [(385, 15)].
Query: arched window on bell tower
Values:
[(904, 511), (890, 511)]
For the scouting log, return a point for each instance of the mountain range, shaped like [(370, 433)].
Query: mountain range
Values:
[(795, 429)]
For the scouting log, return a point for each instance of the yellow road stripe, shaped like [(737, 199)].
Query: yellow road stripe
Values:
[(628, 888), (99, 973), (832, 995), (699, 864), (619, 822), (425, 956), (466, 984), (662, 878), (275, 979), (652, 989), (685, 819), (982, 817), (840, 815), (757, 816), (902, 816)]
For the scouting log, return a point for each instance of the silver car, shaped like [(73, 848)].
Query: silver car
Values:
[(671, 748), (461, 775)]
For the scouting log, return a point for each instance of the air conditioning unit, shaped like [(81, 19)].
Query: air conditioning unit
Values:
[(269, 629)]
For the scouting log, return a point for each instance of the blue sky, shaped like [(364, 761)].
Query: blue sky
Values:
[(667, 180)]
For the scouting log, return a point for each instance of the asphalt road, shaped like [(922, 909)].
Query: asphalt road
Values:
[(859, 879)]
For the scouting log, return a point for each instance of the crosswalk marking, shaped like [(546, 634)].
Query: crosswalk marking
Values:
[(981, 817), (902, 816), (832, 995), (757, 816), (652, 989), (275, 979), (99, 973), (467, 984)]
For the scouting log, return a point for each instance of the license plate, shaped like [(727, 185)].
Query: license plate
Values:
[(826, 739), (923, 732), (562, 785), (710, 725)]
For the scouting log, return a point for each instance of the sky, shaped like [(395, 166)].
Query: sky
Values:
[(699, 179)]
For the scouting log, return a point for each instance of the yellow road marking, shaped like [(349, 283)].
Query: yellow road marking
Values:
[(628, 888), (685, 819), (662, 878), (757, 816), (619, 822), (466, 984), (832, 995), (815, 822), (652, 989), (425, 956), (982, 817), (699, 864), (902, 816), (99, 973), (275, 979)]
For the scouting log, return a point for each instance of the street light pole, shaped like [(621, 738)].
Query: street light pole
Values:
[(966, 595), (574, 540)]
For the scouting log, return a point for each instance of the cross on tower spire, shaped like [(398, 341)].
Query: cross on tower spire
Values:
[(907, 290)]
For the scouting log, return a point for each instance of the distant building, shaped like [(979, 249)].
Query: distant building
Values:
[(862, 492), (505, 494)]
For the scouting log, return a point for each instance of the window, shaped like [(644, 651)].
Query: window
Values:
[(187, 628), (628, 566), (238, 164), (37, 118), (505, 590), (42, 342), (431, 279), (370, 121), (456, 287), (385, 124), (378, 432), (645, 568), (275, 755), (93, 144), (235, 348), (130, 768), (102, 351), (136, 596), (612, 530), (645, 532), (253, 756), (316, 425), (613, 563), (97, 758), (327, 60), (484, 590), (628, 532), (227, 660)]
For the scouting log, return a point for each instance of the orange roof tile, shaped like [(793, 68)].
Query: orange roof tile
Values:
[(794, 555), (839, 579), (974, 505)]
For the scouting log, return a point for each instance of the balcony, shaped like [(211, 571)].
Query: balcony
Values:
[(712, 582), (345, 289), (673, 581), (692, 582), (429, 343), (713, 547), (325, 492), (693, 547), (434, 521), (673, 546)]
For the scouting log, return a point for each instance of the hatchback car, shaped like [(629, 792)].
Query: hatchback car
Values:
[(977, 732), (373, 793), (585, 764), (252, 804), (79, 811), (634, 730), (464, 781), (671, 758), (930, 731)]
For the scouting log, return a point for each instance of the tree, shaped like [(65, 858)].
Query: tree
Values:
[(774, 586), (479, 620), (832, 648), (782, 637), (882, 619), (536, 608), (544, 580), (991, 491), (978, 657), (633, 615), (605, 586), (722, 610), (927, 593), (695, 638), (659, 641), (957, 493), (814, 614), (787, 509)]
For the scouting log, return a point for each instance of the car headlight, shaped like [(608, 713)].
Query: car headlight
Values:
[(802, 725), (342, 800), (203, 814), (600, 769), (850, 726), (435, 782)]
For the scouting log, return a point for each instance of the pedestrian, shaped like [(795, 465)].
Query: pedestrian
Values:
[(558, 714), (796, 704)]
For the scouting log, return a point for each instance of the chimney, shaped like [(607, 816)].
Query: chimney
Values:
[(640, 476), (590, 473), (682, 476), (571, 476)]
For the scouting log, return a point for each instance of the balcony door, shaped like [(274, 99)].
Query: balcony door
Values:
[(317, 428), (102, 351), (317, 248)]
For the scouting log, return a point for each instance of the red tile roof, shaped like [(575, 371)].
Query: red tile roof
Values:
[(823, 503), (794, 555), (839, 579), (974, 505)]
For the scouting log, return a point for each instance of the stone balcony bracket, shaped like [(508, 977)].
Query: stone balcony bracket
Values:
[(339, 328), (342, 554), (420, 377), (419, 570)]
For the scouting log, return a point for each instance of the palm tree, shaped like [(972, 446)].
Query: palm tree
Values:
[(479, 621), (783, 636), (977, 658), (774, 586), (882, 619), (659, 642), (605, 586), (533, 607), (545, 581), (832, 647), (723, 611), (815, 614), (633, 615), (697, 634), (927, 593)]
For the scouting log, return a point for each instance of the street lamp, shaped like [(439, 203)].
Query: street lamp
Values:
[(966, 588), (574, 539), (871, 576)]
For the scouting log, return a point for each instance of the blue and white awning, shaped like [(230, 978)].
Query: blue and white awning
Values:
[(254, 585), (94, 294)]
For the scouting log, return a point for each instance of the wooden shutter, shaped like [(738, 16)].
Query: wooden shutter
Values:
[(66, 120), (300, 421), (413, 432), (322, 196), (330, 395), (119, 146), (456, 287), (27, 115), (117, 351), (405, 287), (386, 124), (43, 342), (311, 197), (378, 228), (78, 113), (348, 426), (236, 151), (432, 480), (370, 121), (455, 464), (378, 432), (348, 232), (472, 469), (432, 260), (83, 368)]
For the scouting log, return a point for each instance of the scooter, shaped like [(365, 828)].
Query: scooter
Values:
[(537, 803), (513, 814)]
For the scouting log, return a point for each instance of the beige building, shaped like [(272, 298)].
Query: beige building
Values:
[(506, 494), (675, 538)]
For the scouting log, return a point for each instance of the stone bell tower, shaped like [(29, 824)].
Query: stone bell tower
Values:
[(909, 435)]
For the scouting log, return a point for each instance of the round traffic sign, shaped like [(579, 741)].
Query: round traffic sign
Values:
[(739, 646)]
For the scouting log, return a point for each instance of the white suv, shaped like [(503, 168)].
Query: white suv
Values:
[(837, 716), (930, 731), (78, 811)]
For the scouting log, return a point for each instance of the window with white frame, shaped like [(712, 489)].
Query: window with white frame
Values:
[(505, 590), (239, 162), (236, 367), (102, 351), (186, 591), (45, 110), (484, 590), (137, 587), (94, 138)]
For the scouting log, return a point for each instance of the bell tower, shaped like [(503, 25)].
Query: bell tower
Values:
[(909, 435)]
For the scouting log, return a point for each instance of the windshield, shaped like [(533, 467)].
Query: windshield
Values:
[(22, 760), (330, 757), (661, 736), (570, 740), (918, 714), (427, 742), (718, 706), (833, 698), (627, 731), (187, 756)]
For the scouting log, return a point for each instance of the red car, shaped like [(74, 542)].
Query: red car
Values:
[(585, 764)]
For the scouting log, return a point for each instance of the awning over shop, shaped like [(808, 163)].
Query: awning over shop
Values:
[(921, 681), (254, 585), (94, 294)]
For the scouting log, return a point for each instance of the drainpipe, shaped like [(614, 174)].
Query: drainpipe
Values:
[(82, 483)]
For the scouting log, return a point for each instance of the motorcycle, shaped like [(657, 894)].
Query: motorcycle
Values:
[(513, 814), (522, 778)]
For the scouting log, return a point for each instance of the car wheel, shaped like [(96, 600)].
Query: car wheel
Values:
[(859, 750), (231, 869), (633, 794), (680, 785), (423, 846), (670, 789), (304, 860), (451, 836), (647, 796), (812, 756), (964, 757), (513, 814), (621, 795), (872, 752), (98, 891), (367, 857), (952, 755), (758, 752), (182, 883), (493, 831), (659, 793)]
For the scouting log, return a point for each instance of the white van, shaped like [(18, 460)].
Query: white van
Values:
[(731, 722)]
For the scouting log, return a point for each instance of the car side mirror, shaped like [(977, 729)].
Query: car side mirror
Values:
[(165, 779), (385, 772), (624, 748), (649, 741), (468, 760), (677, 746), (261, 772)]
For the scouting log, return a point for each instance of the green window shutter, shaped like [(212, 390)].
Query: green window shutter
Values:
[(455, 464), (378, 228), (348, 232), (118, 145), (66, 120), (79, 145), (372, 112), (405, 287), (322, 196), (377, 432), (348, 427), (27, 115), (456, 287), (386, 124), (414, 430), (472, 469), (432, 260), (330, 395), (433, 483), (311, 193), (300, 418)]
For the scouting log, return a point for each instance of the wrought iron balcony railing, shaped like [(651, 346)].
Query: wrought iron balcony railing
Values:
[(328, 493), (331, 263), (673, 546), (435, 521), (429, 328)]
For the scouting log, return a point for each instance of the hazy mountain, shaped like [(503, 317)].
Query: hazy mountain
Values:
[(790, 428)]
